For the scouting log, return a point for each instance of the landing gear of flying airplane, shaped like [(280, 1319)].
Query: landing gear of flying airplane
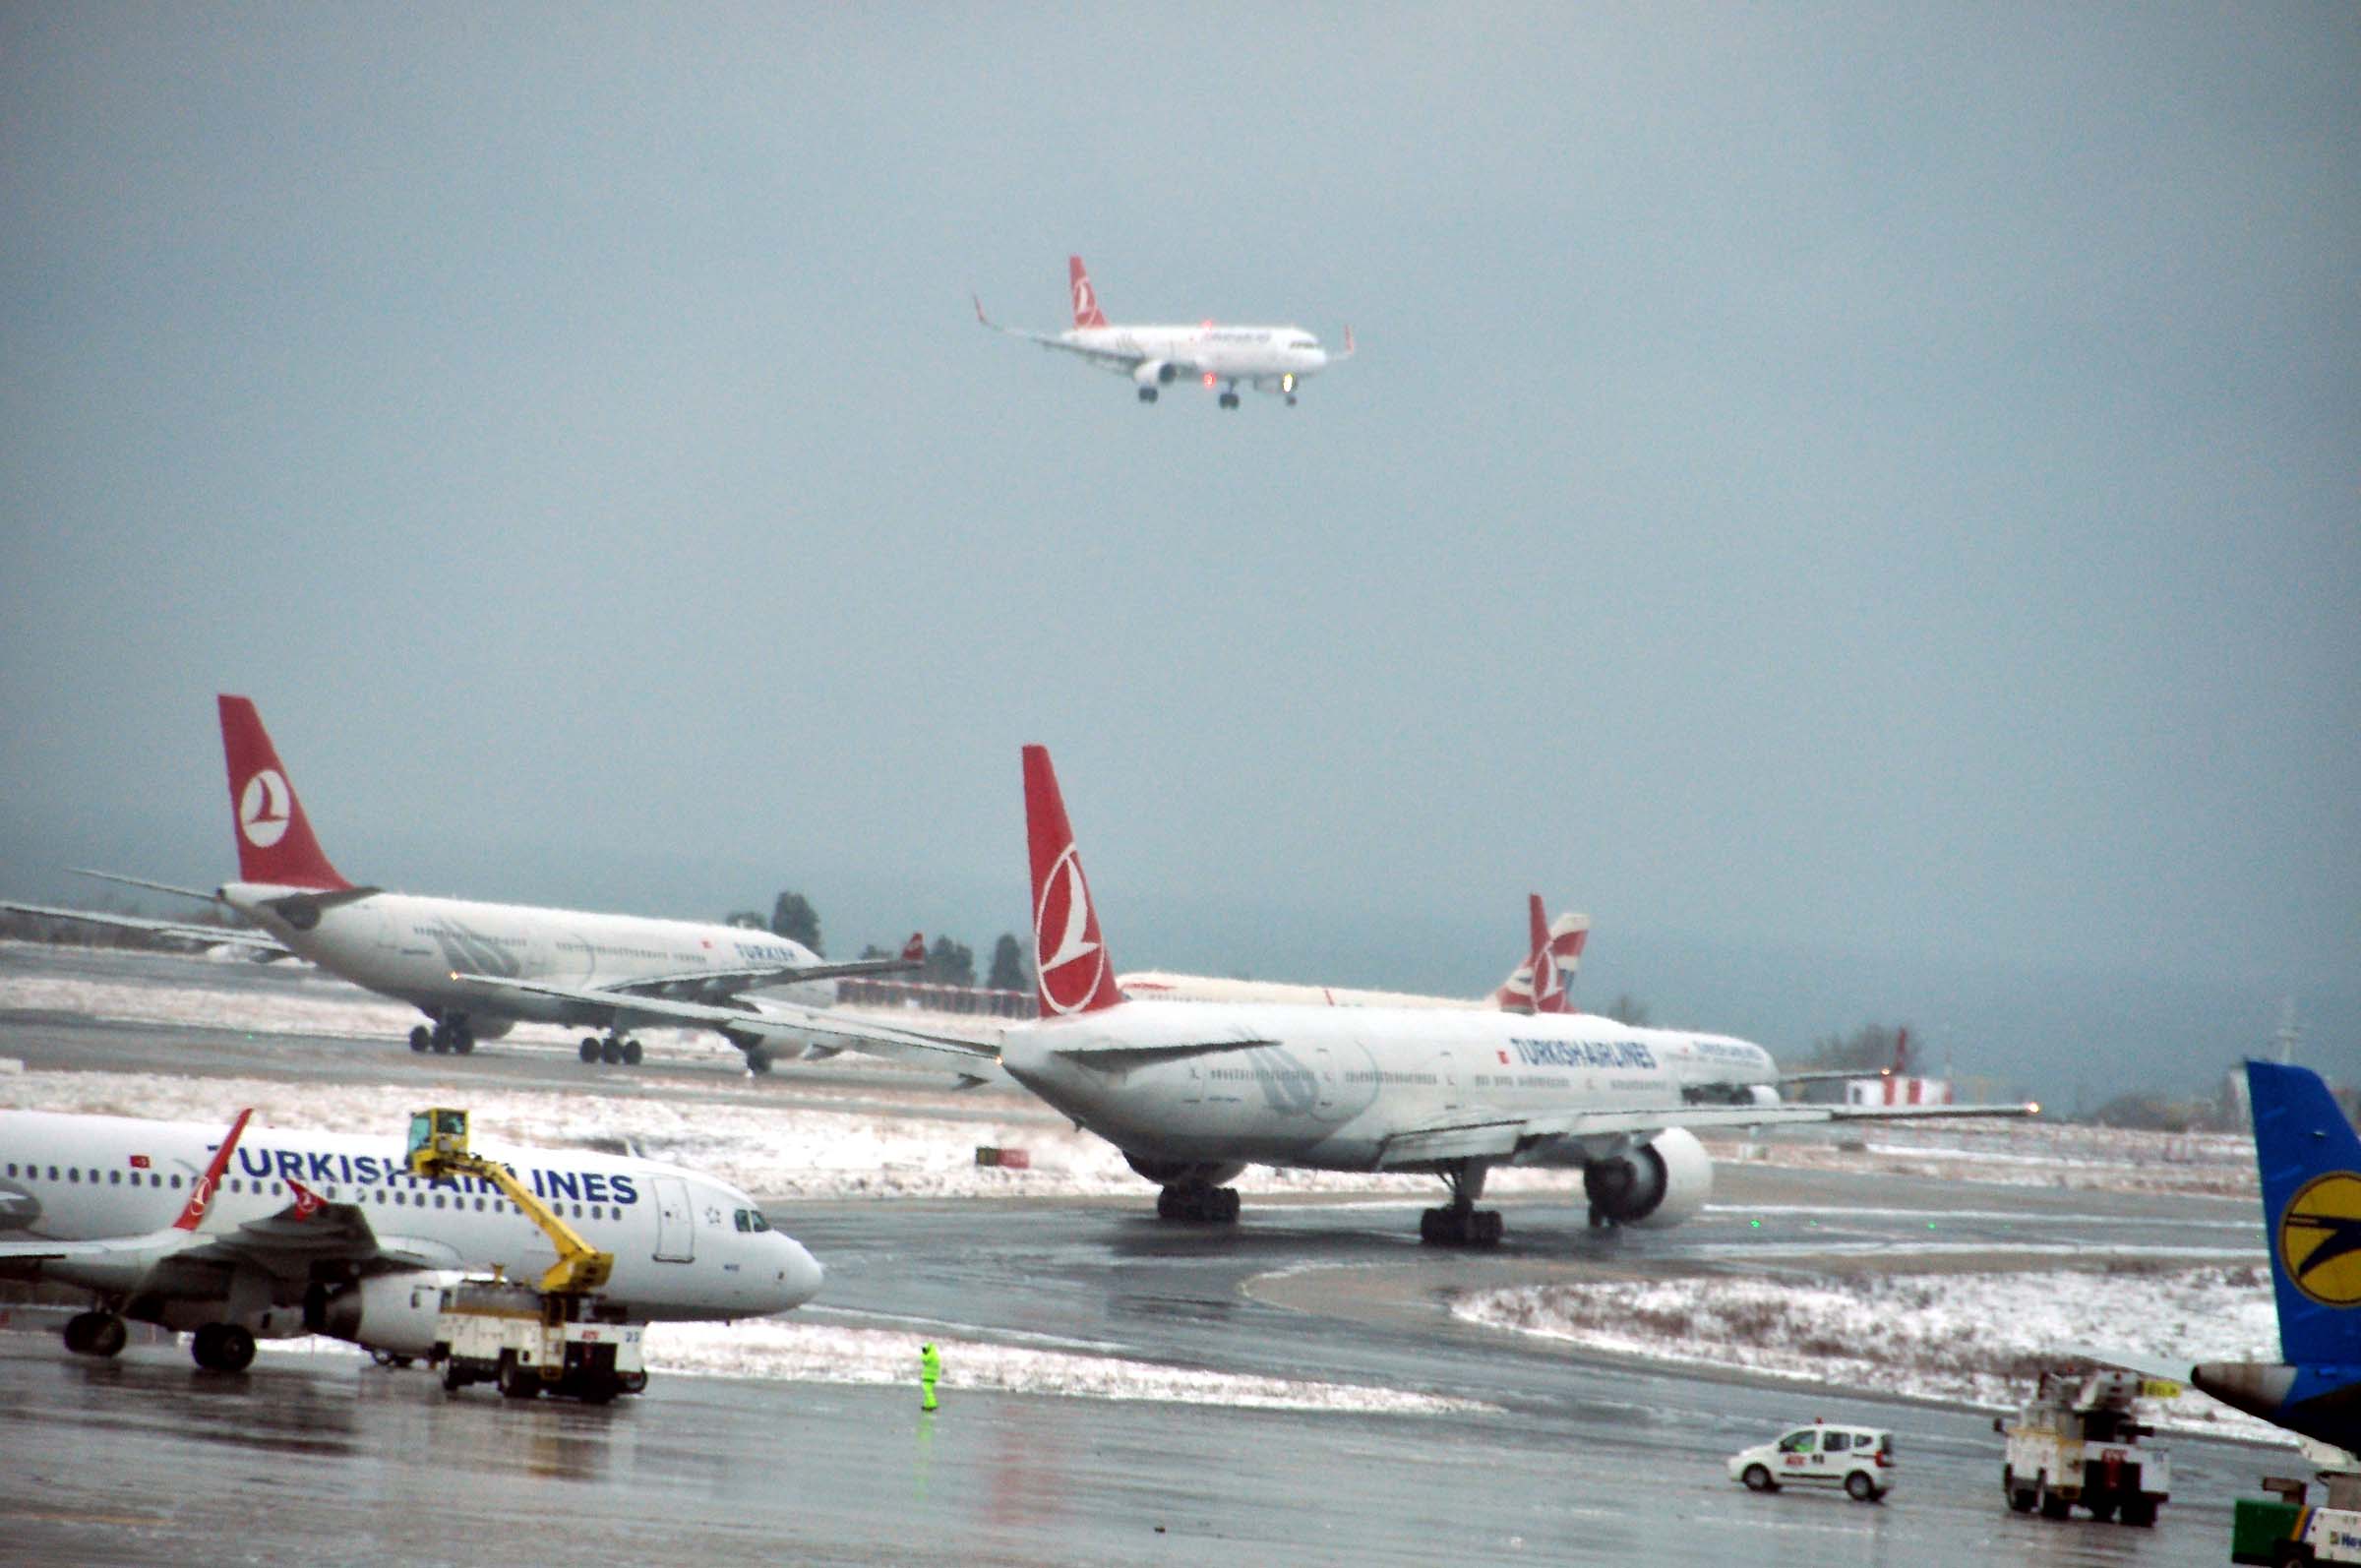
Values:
[(1460, 1223), (95, 1334), (222, 1347), (1147, 395), (1229, 400), (1197, 1203), (614, 1050), (1290, 399), (758, 1060)]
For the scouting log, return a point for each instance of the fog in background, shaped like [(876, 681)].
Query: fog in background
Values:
[(1863, 504)]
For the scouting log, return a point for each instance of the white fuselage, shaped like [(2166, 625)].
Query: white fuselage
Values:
[(1341, 1081), (409, 947), (1266, 358), (683, 1243)]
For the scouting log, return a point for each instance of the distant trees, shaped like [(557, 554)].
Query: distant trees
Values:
[(1009, 970), (746, 920), (1628, 1010), (1868, 1050), (949, 963), (794, 918)]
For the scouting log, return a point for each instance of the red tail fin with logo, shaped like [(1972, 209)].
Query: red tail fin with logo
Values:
[(1070, 968), (192, 1213), (274, 838), (1086, 299), (1553, 952)]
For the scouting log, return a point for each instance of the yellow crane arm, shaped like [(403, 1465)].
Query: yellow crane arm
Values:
[(439, 1149)]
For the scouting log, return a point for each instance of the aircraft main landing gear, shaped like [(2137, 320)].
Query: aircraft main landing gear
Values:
[(96, 1333), (222, 1347), (1147, 395), (1460, 1223), (614, 1050), (1229, 400), (1197, 1203), (449, 1034)]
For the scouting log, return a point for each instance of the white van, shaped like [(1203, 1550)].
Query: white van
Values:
[(1860, 1459)]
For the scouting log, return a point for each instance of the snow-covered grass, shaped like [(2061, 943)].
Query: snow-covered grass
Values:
[(1975, 1338), (2058, 1154)]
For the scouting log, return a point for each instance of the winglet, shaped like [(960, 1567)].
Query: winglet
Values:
[(978, 302), (1071, 972), (201, 1197), (274, 838), (306, 1202)]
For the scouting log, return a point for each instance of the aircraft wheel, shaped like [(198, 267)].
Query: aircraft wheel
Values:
[(462, 1040), (1229, 400), (110, 1337), (611, 1052), (589, 1050), (237, 1349), (1757, 1477), (632, 1054), (420, 1038), (82, 1333), (1147, 395)]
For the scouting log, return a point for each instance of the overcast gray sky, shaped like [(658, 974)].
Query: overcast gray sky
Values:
[(1860, 496)]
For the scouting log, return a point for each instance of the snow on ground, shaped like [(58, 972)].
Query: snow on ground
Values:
[(2046, 1154), (1975, 1338), (781, 1350)]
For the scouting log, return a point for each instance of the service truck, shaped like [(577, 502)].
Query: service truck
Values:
[(2281, 1530), (496, 1331), (2077, 1442)]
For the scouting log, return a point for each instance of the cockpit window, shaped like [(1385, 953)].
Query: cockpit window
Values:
[(738, 1215)]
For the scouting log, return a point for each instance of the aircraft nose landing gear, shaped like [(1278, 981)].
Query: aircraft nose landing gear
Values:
[(1199, 1203)]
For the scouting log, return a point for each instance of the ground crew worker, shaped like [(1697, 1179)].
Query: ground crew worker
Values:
[(930, 1368)]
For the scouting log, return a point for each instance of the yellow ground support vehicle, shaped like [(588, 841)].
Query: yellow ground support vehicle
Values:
[(527, 1339)]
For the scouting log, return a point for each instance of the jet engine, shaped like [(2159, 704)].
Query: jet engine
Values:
[(1663, 1181), (391, 1312), (1180, 1172), (485, 1026), (1156, 372)]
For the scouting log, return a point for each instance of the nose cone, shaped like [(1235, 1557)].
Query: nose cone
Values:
[(799, 1275), (1318, 358)]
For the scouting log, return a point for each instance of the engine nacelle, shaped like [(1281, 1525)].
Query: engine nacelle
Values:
[(486, 1027), (1762, 1094), (393, 1312), (1156, 372), (1176, 1172), (1663, 1181)]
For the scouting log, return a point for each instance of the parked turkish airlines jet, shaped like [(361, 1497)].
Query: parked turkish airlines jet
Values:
[(456, 960), (275, 1233), (1267, 359)]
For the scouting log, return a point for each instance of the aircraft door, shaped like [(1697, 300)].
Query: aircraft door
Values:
[(1323, 1076), (675, 1225)]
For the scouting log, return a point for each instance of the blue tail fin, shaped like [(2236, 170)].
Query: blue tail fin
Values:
[(2310, 1161)]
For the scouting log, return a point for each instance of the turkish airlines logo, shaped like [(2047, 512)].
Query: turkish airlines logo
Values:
[(306, 1202), (1072, 969), (263, 808), (1546, 987), (1086, 303)]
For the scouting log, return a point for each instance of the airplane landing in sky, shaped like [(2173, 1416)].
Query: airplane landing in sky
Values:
[(1264, 359)]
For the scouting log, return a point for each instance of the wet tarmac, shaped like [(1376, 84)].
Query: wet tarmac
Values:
[(1579, 1457)]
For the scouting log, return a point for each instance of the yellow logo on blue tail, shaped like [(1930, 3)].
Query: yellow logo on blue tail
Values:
[(2319, 1239)]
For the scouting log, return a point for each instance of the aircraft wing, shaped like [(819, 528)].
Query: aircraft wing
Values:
[(285, 1244), (310, 1230), (1502, 1137), (773, 1020), (253, 941), (1121, 359), (690, 983)]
